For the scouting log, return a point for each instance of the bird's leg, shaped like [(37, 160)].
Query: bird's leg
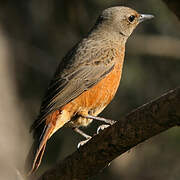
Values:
[(81, 133), (84, 135), (108, 121), (102, 127)]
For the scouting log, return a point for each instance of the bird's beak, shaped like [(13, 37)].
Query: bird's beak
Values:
[(144, 17)]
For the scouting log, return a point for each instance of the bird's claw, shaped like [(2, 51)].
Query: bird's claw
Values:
[(83, 142), (102, 127)]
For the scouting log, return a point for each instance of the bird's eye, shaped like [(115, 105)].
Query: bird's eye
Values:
[(131, 18)]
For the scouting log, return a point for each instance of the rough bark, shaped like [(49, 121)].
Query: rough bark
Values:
[(136, 127)]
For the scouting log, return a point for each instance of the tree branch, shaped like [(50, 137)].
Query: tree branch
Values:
[(139, 125)]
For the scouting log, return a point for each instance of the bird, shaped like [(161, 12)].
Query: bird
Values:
[(86, 79)]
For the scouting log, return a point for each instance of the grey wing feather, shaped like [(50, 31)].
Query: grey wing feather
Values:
[(70, 83)]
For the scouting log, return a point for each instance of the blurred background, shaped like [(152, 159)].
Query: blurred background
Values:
[(36, 34)]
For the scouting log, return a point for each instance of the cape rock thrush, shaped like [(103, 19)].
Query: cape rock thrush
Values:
[(86, 79)]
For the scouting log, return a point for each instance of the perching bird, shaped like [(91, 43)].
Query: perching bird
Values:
[(86, 79)]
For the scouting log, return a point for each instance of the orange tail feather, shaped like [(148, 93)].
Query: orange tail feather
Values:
[(37, 150), (44, 132)]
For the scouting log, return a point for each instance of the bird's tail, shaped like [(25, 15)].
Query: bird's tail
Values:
[(42, 133), (37, 150)]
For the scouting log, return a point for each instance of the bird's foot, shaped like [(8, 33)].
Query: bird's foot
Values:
[(84, 135), (102, 127), (108, 121), (83, 142)]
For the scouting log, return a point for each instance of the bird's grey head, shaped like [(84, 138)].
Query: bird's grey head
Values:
[(121, 20)]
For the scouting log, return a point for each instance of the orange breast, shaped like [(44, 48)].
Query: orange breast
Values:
[(102, 93), (95, 99)]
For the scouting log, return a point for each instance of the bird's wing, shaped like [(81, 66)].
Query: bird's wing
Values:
[(72, 79)]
